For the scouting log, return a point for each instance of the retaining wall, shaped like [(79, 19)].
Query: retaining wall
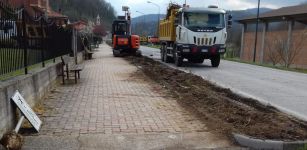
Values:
[(33, 87)]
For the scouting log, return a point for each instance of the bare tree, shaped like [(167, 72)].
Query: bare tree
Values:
[(273, 47), (288, 53), (297, 46)]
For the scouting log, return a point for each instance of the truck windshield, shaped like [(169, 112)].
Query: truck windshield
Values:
[(202, 20)]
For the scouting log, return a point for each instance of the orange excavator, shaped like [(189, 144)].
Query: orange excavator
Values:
[(122, 39)]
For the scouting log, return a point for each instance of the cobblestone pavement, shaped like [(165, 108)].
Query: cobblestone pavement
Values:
[(110, 98)]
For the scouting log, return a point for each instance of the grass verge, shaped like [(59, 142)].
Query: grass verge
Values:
[(268, 65)]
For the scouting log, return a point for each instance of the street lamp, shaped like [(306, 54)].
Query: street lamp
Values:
[(256, 36), (142, 14), (150, 2)]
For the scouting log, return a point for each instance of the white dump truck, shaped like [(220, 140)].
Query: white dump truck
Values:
[(194, 34)]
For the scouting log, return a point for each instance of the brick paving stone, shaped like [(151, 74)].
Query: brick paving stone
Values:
[(111, 99)]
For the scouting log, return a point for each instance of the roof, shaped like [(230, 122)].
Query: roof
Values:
[(298, 13), (53, 14), (32, 8), (79, 22)]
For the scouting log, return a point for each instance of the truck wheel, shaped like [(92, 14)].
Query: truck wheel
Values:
[(138, 53), (167, 59), (162, 53), (178, 60), (215, 61)]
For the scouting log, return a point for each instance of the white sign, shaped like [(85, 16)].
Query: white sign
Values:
[(27, 111)]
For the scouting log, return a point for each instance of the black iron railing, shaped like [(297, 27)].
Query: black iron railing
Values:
[(27, 40)]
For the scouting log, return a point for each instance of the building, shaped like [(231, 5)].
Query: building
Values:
[(282, 37), (98, 20), (79, 25), (37, 8)]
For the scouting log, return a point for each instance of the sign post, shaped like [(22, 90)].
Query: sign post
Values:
[(26, 111)]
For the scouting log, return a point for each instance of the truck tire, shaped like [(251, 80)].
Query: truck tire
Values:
[(162, 53), (167, 59), (215, 61), (138, 53), (178, 60)]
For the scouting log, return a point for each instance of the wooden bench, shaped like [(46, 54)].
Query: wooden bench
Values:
[(88, 53), (70, 68)]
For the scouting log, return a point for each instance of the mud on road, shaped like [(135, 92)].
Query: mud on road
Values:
[(221, 110)]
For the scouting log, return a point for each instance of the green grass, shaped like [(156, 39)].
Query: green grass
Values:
[(12, 74), (14, 57), (8, 59), (22, 70), (268, 65)]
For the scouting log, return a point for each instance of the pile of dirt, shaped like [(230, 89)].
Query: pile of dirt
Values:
[(220, 109)]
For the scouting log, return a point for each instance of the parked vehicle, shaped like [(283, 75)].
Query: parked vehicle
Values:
[(153, 40), (144, 40), (122, 39), (194, 34)]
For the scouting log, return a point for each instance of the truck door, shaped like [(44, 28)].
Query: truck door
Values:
[(179, 28), (181, 31)]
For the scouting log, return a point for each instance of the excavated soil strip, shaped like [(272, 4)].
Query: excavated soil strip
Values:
[(221, 110)]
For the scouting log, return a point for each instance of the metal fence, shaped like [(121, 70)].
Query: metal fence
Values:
[(26, 41)]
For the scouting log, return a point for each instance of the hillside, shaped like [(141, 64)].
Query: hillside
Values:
[(234, 34), (85, 9), (146, 24)]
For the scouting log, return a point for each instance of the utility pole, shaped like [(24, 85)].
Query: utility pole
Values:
[(256, 36)]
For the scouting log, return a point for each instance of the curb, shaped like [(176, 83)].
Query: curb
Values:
[(254, 143)]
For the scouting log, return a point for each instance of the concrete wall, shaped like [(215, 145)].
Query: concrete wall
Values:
[(32, 86)]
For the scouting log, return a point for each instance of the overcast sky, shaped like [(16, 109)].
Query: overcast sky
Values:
[(143, 6)]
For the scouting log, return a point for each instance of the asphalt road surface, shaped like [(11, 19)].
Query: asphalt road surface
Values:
[(284, 90)]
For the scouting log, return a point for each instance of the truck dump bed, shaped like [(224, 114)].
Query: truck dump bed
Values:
[(167, 30)]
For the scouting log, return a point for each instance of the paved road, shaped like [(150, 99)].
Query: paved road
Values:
[(285, 90)]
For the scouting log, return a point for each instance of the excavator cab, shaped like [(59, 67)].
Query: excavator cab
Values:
[(120, 27)]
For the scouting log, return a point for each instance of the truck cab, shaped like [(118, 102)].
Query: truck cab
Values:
[(200, 33)]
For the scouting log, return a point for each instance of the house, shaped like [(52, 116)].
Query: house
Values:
[(282, 37), (37, 8)]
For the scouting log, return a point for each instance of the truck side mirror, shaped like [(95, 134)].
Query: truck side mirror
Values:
[(229, 22)]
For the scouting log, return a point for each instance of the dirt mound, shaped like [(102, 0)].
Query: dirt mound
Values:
[(222, 110)]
